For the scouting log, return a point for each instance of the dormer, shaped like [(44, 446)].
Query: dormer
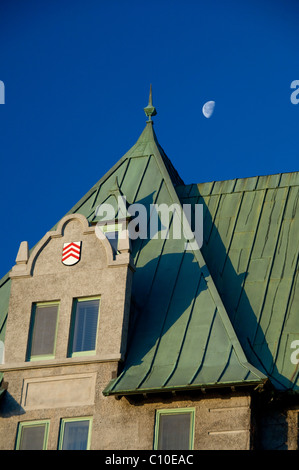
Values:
[(70, 297)]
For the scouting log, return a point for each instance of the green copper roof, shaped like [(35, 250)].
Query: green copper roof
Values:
[(181, 336), (222, 315), (251, 246)]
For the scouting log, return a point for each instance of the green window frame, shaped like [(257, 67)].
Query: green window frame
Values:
[(80, 326), (66, 433), (25, 426), (160, 414), (38, 326), (112, 229)]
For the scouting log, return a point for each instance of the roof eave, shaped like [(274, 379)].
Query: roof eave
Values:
[(259, 383)]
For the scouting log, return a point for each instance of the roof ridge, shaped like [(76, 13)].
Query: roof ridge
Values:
[(278, 176)]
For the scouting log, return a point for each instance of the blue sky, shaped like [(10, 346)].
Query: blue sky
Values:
[(77, 76)]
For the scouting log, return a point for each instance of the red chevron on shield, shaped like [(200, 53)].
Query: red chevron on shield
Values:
[(71, 253)]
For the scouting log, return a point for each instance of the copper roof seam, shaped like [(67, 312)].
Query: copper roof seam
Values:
[(249, 258), (291, 292), (149, 217), (185, 333), (233, 232), (259, 315), (206, 347), (163, 325)]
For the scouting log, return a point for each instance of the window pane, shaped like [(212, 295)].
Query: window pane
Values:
[(174, 431), (85, 326), (75, 436), (32, 437), (113, 239), (44, 328)]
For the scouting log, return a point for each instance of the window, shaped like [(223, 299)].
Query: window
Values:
[(174, 429), (43, 329), (111, 232), (84, 326), (32, 435), (75, 434)]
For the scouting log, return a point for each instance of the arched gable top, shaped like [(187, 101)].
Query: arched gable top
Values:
[(68, 226)]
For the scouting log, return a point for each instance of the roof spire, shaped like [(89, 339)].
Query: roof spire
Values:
[(150, 110)]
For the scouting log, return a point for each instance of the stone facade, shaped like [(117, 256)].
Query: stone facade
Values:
[(68, 387), (221, 422), (64, 382)]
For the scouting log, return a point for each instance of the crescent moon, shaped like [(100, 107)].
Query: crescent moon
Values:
[(208, 109)]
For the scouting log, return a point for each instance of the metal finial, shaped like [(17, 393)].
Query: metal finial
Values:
[(150, 110)]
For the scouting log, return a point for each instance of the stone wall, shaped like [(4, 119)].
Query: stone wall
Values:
[(221, 421)]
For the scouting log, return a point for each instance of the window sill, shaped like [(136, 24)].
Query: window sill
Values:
[(70, 361)]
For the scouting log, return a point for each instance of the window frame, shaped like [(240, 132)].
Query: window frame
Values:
[(90, 352), (172, 411), (112, 228), (63, 421), (41, 357), (24, 424)]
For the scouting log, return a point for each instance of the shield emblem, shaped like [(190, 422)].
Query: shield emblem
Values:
[(71, 253)]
